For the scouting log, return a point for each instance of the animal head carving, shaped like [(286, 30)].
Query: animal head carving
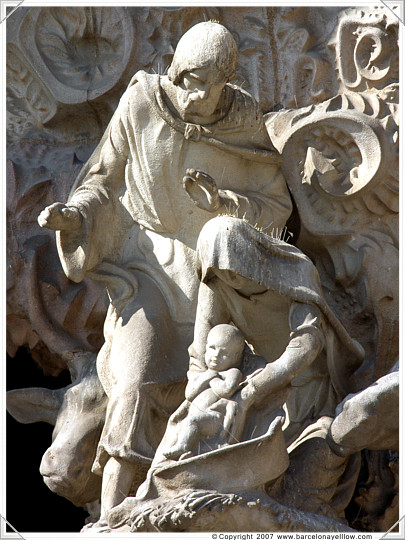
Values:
[(78, 413)]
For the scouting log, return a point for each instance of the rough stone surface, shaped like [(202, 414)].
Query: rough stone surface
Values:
[(274, 110)]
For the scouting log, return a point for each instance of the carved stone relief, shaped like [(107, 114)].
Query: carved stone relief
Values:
[(305, 66), (341, 162), (29, 102), (80, 52), (326, 80), (366, 45)]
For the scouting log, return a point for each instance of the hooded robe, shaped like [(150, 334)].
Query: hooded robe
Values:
[(275, 320)]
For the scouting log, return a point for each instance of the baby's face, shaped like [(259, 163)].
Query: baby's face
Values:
[(222, 353)]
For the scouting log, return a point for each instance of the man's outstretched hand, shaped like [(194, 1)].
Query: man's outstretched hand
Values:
[(59, 217), (202, 189)]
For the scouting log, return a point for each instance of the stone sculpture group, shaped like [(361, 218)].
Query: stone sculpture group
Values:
[(241, 376)]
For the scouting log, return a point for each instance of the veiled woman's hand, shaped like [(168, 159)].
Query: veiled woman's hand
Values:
[(60, 217), (202, 189), (244, 400)]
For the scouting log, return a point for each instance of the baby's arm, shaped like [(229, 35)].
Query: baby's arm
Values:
[(197, 382), (227, 382), (180, 413)]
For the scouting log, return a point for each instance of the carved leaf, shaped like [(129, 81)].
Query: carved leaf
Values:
[(29, 104), (250, 46), (25, 211), (296, 41)]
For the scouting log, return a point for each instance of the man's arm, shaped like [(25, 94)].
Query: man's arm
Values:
[(86, 225), (269, 207)]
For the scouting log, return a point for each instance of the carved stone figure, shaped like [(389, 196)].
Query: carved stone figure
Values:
[(273, 294), (130, 207), (207, 410), (174, 222), (78, 413), (368, 419), (313, 353)]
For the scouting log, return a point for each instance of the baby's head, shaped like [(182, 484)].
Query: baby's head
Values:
[(225, 345)]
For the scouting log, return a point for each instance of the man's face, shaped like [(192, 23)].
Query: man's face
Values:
[(221, 353), (198, 93)]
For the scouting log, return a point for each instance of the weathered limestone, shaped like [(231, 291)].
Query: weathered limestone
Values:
[(131, 208), (178, 193)]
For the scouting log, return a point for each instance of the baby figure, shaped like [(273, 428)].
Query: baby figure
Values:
[(207, 410)]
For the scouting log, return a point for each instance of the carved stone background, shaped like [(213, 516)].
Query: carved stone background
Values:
[(66, 70)]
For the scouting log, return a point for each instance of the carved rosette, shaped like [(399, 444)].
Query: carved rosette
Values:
[(81, 52)]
